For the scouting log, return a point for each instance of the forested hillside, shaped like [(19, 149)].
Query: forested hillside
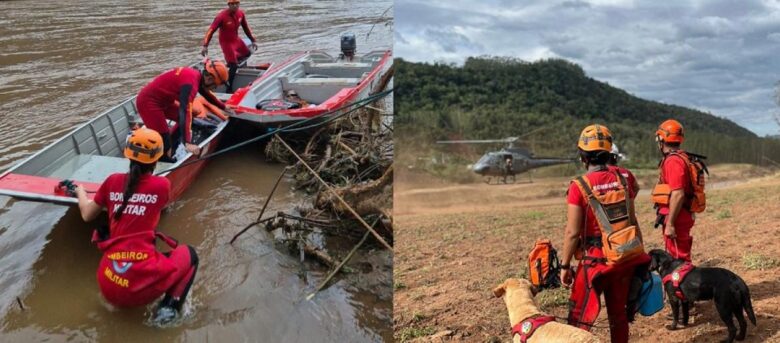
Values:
[(501, 97)]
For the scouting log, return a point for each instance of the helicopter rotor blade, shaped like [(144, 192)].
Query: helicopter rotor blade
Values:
[(472, 141), (514, 139)]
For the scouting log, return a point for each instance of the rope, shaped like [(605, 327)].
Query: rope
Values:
[(290, 128)]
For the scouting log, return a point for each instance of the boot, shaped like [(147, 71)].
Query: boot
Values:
[(167, 311), (232, 69)]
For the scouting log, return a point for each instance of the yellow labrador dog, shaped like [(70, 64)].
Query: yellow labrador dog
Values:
[(519, 298)]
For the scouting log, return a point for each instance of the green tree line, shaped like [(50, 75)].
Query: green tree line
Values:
[(496, 97)]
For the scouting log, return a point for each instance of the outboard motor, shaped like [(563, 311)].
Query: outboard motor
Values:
[(348, 46)]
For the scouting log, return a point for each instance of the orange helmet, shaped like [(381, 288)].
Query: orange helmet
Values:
[(670, 131), (218, 71), (595, 138), (144, 146)]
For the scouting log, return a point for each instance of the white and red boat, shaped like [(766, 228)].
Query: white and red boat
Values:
[(94, 150), (320, 82)]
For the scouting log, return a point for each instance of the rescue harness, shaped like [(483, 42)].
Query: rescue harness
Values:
[(527, 327), (677, 276)]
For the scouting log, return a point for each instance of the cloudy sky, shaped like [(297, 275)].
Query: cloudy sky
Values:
[(721, 57)]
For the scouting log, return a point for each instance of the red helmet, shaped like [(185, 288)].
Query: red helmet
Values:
[(670, 131)]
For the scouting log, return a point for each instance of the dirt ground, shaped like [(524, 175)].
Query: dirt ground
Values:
[(454, 243)]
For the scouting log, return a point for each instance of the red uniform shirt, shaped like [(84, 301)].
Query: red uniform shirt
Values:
[(161, 93), (600, 181), (228, 23), (164, 89), (143, 209), (674, 173)]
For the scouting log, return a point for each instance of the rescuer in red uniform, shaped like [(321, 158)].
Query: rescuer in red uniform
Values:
[(677, 219), (132, 272), (585, 233), (156, 102), (233, 48)]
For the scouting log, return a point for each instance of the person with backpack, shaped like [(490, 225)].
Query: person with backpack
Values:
[(132, 272), (680, 189), (603, 234)]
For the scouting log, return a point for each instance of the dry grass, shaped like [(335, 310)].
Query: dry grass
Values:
[(454, 243)]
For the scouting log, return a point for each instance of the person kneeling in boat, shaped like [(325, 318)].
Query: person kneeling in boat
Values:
[(132, 272), (157, 102)]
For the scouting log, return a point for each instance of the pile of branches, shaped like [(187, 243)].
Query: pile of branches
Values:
[(346, 164), (354, 155)]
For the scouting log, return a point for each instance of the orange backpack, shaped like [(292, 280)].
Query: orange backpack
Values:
[(620, 236), (697, 172), (543, 265)]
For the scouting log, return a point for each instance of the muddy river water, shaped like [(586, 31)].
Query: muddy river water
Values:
[(61, 63)]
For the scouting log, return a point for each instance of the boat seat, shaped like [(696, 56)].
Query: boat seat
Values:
[(317, 90), (337, 70), (325, 81)]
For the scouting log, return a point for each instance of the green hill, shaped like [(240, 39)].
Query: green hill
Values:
[(491, 97)]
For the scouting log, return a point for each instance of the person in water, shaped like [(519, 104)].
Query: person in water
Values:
[(233, 48), (156, 102), (132, 272)]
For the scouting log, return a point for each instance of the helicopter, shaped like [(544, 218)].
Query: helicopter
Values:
[(507, 162)]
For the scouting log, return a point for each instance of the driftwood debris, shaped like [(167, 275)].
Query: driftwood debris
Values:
[(319, 255), (346, 165), (265, 205), (341, 265), (353, 156), (339, 198)]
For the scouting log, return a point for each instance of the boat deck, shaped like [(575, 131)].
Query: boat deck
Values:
[(92, 168), (322, 83)]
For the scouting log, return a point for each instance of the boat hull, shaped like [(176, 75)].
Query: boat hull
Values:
[(89, 154)]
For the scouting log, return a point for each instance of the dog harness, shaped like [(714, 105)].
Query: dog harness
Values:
[(677, 276), (527, 327)]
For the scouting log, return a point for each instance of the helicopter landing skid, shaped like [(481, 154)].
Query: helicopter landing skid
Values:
[(505, 180)]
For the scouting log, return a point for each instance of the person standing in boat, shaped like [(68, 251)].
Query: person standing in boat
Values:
[(233, 48), (132, 272), (157, 102)]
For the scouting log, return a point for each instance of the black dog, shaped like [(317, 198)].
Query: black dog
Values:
[(729, 291)]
